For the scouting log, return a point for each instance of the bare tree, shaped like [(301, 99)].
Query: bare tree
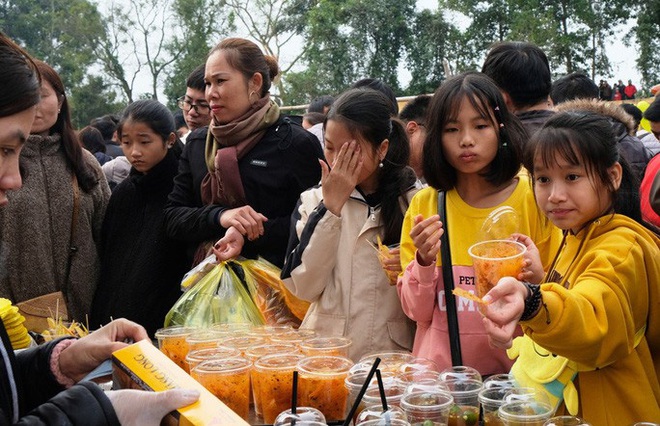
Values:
[(137, 37), (273, 25)]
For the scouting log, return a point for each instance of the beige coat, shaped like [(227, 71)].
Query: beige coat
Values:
[(335, 267)]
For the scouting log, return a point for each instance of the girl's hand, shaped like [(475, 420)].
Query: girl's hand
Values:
[(246, 220), (339, 182), (426, 236), (533, 268), (229, 246), (506, 303), (393, 261)]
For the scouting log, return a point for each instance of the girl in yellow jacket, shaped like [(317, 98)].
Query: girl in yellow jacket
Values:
[(592, 328)]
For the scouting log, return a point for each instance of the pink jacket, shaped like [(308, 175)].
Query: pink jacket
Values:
[(418, 288)]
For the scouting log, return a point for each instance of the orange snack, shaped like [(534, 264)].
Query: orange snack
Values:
[(272, 382), (321, 385), (493, 260), (467, 295), (228, 380), (172, 342)]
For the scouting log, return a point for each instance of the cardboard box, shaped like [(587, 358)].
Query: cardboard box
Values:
[(143, 366)]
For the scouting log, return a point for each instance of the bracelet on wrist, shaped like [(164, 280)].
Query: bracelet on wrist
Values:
[(532, 302)]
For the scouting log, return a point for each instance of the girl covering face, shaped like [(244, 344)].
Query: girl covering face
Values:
[(473, 152), (596, 313), (361, 199)]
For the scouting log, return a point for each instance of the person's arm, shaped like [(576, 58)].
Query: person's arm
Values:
[(654, 194), (312, 251), (417, 289), (186, 219)]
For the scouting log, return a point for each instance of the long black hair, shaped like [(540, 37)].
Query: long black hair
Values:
[(486, 99), (20, 84), (585, 137), (367, 113)]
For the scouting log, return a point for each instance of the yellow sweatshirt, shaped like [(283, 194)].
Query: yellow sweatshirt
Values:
[(605, 289)]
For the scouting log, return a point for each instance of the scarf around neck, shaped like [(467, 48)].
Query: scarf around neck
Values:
[(226, 144)]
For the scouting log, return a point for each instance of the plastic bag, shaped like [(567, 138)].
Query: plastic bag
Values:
[(276, 303), (198, 272), (220, 297)]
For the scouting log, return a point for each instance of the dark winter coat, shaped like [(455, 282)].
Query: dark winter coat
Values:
[(141, 268), (623, 125), (27, 382), (274, 173), (533, 120)]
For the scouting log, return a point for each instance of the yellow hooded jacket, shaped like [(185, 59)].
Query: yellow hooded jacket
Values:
[(602, 294)]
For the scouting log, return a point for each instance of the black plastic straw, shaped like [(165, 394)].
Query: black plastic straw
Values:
[(363, 389), (294, 392), (381, 390)]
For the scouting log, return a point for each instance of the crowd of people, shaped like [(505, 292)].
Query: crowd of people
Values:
[(110, 218)]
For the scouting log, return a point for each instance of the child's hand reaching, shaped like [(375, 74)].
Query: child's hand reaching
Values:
[(426, 236), (505, 306), (533, 268)]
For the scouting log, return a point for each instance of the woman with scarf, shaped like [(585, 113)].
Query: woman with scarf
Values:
[(243, 174), (52, 225)]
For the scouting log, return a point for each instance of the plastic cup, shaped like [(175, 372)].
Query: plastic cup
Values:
[(231, 328), (491, 400), (172, 342), (204, 339), (493, 260), (256, 352), (354, 382), (419, 364), (294, 336), (375, 412), (460, 372), (389, 361), (331, 346), (196, 357), (228, 380), (268, 331), (526, 413), (426, 408), (384, 422), (393, 393), (505, 381), (243, 343), (568, 421), (321, 384), (272, 384), (465, 410), (421, 381), (303, 414)]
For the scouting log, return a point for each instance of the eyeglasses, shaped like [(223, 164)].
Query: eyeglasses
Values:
[(200, 108)]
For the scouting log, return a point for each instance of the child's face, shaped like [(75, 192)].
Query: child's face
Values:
[(470, 141), (337, 134), (568, 195), (143, 147)]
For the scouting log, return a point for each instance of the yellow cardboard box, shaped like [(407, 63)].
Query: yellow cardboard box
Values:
[(143, 366)]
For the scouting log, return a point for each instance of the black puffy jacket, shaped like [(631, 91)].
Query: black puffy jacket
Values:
[(27, 383)]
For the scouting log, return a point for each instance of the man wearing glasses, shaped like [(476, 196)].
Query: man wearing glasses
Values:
[(196, 111)]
